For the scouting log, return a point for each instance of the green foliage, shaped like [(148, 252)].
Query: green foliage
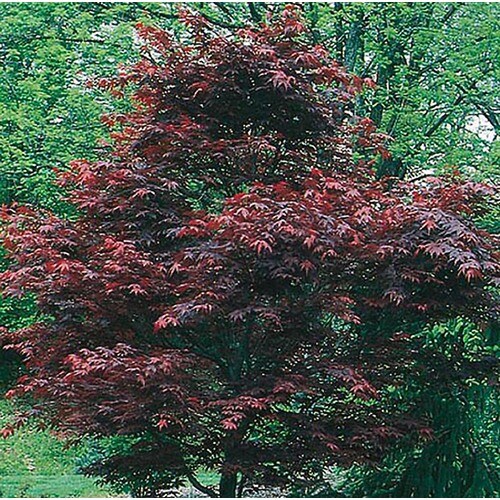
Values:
[(48, 117), (459, 462), (461, 459), (437, 69), (445, 337)]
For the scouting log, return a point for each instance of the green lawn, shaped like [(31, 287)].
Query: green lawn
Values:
[(31, 486), (36, 463)]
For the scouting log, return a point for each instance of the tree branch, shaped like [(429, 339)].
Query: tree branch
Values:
[(254, 13), (74, 40), (221, 24), (429, 66), (167, 15), (163, 15), (451, 11), (222, 7), (200, 487), (490, 114), (443, 117)]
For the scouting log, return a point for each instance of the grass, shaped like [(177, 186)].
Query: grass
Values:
[(35, 463), (53, 486)]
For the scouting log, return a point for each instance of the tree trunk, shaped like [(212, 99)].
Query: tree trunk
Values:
[(236, 364), (227, 485), (354, 43)]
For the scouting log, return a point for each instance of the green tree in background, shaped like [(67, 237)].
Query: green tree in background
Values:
[(46, 114), (436, 68)]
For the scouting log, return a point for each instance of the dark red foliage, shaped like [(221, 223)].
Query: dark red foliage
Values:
[(239, 290)]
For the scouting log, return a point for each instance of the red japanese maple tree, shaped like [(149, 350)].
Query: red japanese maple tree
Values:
[(239, 292)]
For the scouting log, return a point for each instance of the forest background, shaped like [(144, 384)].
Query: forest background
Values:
[(436, 66)]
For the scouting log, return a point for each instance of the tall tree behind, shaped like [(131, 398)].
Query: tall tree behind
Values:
[(437, 70), (47, 115)]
